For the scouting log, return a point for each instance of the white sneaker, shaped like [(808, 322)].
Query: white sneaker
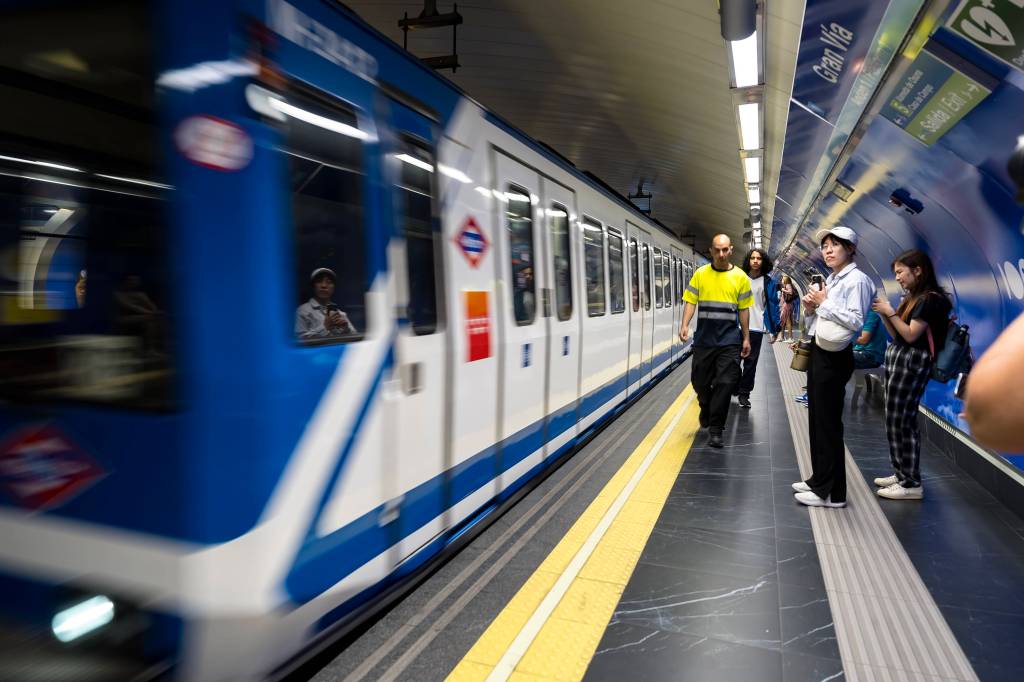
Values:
[(887, 481), (801, 487), (812, 500), (898, 492)]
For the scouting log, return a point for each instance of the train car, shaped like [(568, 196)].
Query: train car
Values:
[(284, 315)]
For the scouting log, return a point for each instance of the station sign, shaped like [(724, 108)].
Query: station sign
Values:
[(996, 26), (933, 97)]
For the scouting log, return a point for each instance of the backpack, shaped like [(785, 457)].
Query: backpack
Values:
[(956, 357)]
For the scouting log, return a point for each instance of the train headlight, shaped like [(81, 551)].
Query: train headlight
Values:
[(82, 618)]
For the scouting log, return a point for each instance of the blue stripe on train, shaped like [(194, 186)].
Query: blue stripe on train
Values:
[(433, 547), (329, 559)]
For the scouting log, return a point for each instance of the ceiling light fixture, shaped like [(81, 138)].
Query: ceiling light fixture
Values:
[(750, 133), (752, 169), (754, 194), (744, 60)]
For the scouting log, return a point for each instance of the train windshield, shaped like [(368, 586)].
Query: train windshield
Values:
[(84, 286)]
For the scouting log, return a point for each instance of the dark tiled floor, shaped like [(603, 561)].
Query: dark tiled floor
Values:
[(965, 545), (728, 587)]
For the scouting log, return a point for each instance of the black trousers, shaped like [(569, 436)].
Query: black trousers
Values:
[(746, 384), (715, 373), (826, 387)]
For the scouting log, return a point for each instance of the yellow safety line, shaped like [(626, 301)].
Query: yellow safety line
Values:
[(551, 628)]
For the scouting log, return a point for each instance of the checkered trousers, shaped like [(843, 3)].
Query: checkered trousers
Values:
[(906, 375)]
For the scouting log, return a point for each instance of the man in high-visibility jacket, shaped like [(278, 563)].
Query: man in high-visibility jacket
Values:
[(721, 293)]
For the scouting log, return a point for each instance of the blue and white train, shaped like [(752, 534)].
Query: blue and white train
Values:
[(188, 480)]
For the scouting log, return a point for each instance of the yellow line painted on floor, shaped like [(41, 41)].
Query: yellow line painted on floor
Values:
[(551, 628)]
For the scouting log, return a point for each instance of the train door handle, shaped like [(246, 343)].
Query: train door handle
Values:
[(411, 375), (389, 514), (545, 296)]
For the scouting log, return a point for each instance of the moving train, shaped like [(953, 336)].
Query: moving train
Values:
[(280, 329)]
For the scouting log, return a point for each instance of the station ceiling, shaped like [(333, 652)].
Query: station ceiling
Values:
[(627, 90)]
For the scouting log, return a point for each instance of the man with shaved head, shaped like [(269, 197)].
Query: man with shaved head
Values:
[(721, 293)]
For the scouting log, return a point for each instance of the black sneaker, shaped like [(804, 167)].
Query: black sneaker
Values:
[(745, 400), (715, 441)]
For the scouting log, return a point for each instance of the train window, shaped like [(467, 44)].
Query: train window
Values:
[(648, 273), (325, 175), (616, 283), (679, 281), (561, 259), (659, 275), (86, 282), (519, 224), (634, 266), (415, 192), (593, 254), (666, 280)]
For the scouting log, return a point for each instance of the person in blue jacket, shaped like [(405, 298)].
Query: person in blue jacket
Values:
[(764, 317)]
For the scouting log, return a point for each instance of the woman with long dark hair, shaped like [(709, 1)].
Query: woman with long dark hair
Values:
[(764, 317), (918, 329), (789, 307)]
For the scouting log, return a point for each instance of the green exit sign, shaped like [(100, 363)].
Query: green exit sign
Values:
[(996, 26)]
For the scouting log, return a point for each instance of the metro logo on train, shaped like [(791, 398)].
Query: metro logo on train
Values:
[(41, 467), (472, 241)]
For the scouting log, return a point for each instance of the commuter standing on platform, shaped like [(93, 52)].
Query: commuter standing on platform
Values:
[(721, 292), (835, 315), (908, 365), (764, 317), (790, 307)]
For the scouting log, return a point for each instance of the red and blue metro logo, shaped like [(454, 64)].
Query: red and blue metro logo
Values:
[(472, 241), (41, 468)]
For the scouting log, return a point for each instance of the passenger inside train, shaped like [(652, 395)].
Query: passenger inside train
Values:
[(320, 317)]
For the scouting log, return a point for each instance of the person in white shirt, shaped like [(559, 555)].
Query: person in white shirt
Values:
[(319, 317), (834, 315), (764, 317)]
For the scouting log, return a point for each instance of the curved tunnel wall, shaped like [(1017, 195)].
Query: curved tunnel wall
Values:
[(969, 222)]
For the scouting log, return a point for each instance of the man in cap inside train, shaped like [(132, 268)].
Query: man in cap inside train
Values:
[(319, 317)]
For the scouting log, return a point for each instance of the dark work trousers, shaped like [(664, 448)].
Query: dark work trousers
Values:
[(826, 387), (746, 384), (714, 374)]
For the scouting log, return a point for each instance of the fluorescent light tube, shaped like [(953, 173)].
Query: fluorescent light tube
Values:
[(744, 60), (413, 161), (750, 126), (752, 170)]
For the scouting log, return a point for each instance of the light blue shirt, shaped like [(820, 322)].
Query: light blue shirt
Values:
[(850, 293)]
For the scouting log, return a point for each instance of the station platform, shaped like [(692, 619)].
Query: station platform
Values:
[(649, 556)]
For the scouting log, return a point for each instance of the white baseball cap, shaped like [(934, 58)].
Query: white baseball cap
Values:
[(322, 271), (838, 232)]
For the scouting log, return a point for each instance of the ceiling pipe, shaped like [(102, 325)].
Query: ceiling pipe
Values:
[(739, 18)]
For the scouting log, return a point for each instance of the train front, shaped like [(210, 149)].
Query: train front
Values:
[(91, 524)]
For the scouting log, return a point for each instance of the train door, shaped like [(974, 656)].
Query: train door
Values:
[(677, 310), (523, 347), (635, 364), (420, 439), (561, 316), (647, 280)]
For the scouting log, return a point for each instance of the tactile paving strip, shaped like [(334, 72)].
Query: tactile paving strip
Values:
[(887, 625)]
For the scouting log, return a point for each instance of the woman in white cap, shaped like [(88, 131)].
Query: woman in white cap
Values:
[(319, 317), (834, 315)]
